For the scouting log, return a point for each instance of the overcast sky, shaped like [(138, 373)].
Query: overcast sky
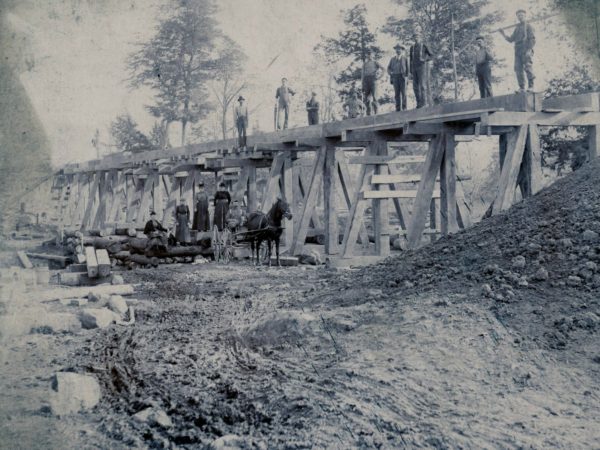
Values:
[(77, 81)]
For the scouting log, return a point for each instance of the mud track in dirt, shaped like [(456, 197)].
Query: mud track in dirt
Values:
[(300, 358)]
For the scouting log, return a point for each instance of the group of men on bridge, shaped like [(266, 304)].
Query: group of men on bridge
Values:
[(402, 67)]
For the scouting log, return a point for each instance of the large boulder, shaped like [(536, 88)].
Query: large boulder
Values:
[(97, 318), (72, 392)]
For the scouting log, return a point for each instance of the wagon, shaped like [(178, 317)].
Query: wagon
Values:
[(226, 241)]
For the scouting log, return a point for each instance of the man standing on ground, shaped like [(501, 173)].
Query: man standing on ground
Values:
[(483, 68), (312, 106), (524, 40), (284, 97), (420, 56), (370, 71), (241, 120), (398, 71)]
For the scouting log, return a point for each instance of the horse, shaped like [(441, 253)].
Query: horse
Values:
[(267, 227)]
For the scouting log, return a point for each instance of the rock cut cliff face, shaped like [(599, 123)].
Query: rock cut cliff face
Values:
[(24, 146)]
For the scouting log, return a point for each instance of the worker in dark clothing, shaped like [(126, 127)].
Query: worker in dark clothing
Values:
[(312, 107), (202, 216), (241, 121), (398, 71), (284, 98), (157, 237), (222, 201), (370, 72), (524, 39), (153, 225), (420, 56), (483, 68), (182, 220)]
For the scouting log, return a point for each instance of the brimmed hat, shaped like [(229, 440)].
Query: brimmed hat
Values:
[(201, 184), (480, 38), (152, 213), (521, 11), (313, 93), (221, 184), (240, 98), (399, 46)]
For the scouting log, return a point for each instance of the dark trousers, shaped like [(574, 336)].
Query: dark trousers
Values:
[(484, 78), (523, 68), (241, 127), (399, 83), (369, 87), (313, 117), (419, 73), (286, 110)]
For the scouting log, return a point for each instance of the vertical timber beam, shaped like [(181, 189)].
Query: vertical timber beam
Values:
[(422, 201), (357, 211), (87, 215), (510, 169), (252, 202), (449, 223), (288, 195), (272, 187), (329, 199), (349, 193), (172, 199), (381, 222), (310, 203), (146, 199), (134, 195)]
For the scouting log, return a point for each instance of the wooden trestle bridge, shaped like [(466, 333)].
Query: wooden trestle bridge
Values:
[(311, 163)]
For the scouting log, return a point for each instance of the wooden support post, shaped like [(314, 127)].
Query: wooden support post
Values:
[(239, 189), (146, 201), (100, 216), (463, 211), (304, 187), (329, 199), (349, 192), (594, 142), (381, 222), (449, 223), (297, 194), (422, 201), (502, 146), (134, 196), (76, 199), (510, 169), (288, 194), (356, 214), (172, 200), (532, 163), (252, 202), (310, 202), (118, 197), (272, 189), (89, 210)]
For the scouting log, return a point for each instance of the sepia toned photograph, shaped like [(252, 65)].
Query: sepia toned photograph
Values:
[(299, 224)]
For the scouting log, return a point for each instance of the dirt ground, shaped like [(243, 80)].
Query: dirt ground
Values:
[(467, 343)]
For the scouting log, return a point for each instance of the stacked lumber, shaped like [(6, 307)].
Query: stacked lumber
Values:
[(124, 245)]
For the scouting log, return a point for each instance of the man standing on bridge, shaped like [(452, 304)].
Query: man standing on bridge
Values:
[(283, 96), (420, 56), (241, 121), (398, 71), (483, 68), (312, 106), (370, 71), (524, 40)]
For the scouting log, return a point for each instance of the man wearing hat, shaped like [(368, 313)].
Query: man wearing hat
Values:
[(524, 40), (240, 113), (483, 68), (312, 106), (222, 201), (420, 57), (283, 94), (157, 238), (370, 71), (398, 71), (202, 216)]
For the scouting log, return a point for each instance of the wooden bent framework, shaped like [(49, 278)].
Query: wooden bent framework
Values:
[(355, 186)]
